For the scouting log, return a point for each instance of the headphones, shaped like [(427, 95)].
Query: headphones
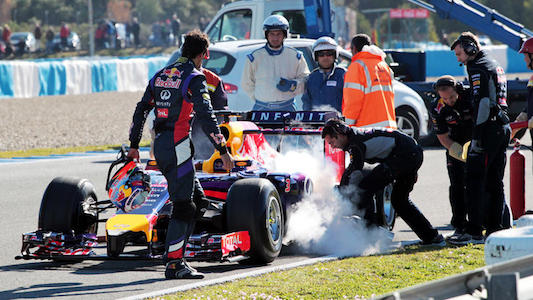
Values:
[(447, 81), (468, 45)]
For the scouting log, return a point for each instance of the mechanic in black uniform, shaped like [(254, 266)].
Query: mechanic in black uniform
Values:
[(486, 159), (527, 114), (175, 91), (452, 114), (399, 158)]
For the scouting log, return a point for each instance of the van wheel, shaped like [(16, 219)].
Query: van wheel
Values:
[(254, 205)]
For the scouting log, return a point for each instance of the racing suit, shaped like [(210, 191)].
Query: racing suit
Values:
[(368, 93), (486, 159), (174, 92), (457, 122), (262, 73), (399, 158), (324, 89)]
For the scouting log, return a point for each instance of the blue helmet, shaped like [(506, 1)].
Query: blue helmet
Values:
[(276, 22)]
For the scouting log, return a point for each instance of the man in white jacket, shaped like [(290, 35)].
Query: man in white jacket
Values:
[(274, 74)]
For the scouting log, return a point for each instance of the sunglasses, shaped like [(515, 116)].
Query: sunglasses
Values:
[(325, 53)]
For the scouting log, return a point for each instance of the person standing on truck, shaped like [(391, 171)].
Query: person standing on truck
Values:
[(527, 114), (452, 120), (175, 91), (398, 157), (368, 93), (324, 85), (486, 159), (274, 74)]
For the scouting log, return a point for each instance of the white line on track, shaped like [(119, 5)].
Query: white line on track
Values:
[(231, 278)]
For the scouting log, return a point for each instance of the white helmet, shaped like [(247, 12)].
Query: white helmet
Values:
[(325, 43), (276, 22)]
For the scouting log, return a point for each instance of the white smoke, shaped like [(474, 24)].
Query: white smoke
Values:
[(322, 223)]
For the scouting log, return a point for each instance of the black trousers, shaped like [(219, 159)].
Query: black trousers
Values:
[(401, 169), (484, 184), (457, 191), (175, 162)]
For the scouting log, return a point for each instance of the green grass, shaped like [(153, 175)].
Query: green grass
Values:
[(358, 277), (49, 151)]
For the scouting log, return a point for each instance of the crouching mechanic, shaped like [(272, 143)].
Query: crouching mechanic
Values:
[(452, 116), (175, 95), (324, 85), (274, 74), (399, 158)]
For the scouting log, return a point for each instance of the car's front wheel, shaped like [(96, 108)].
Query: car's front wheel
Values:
[(69, 206), (408, 122), (254, 205)]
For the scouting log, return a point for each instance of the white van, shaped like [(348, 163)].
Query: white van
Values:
[(243, 20)]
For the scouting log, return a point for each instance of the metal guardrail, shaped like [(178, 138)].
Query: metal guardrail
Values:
[(507, 280)]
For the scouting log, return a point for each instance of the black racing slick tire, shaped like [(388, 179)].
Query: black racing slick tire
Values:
[(254, 205), (115, 246), (386, 213), (69, 206), (408, 122)]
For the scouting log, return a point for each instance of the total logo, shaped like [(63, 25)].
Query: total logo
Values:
[(232, 240)]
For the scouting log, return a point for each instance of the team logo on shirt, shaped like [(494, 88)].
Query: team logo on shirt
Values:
[(162, 113), (165, 95)]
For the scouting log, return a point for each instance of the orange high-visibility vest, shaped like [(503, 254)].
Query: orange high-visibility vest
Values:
[(368, 96)]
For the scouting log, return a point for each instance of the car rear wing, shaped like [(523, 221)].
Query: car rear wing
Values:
[(275, 122)]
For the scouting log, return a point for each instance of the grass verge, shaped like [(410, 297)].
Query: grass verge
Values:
[(349, 278), (50, 151)]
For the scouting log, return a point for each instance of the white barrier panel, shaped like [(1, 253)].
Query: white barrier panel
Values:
[(79, 78), (132, 74), (25, 79)]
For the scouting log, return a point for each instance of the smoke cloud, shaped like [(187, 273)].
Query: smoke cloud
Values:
[(322, 223)]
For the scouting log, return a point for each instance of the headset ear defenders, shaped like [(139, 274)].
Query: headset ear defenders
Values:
[(468, 44), (447, 81)]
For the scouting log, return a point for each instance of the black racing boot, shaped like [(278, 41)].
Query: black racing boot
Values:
[(178, 269)]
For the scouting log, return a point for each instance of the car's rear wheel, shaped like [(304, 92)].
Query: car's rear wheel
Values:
[(386, 213), (69, 206), (254, 205), (408, 122)]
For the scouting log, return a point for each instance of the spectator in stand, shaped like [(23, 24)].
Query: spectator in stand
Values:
[(164, 32), (38, 35), (176, 25), (6, 34), (49, 36), (135, 30), (99, 36), (64, 32), (202, 23)]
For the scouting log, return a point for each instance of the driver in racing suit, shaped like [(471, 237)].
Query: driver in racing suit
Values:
[(175, 92)]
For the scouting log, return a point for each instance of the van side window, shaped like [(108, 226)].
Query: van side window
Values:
[(233, 25), (296, 18)]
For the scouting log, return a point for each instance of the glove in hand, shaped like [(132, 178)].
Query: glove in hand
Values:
[(286, 85)]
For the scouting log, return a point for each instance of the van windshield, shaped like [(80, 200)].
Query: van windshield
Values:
[(296, 18)]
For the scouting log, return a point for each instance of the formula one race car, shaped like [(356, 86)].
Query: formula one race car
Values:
[(244, 221)]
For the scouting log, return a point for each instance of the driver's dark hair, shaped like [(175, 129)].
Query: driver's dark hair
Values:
[(360, 40), (334, 127), (196, 43)]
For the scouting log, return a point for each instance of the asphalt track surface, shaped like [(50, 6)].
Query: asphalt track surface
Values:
[(22, 184)]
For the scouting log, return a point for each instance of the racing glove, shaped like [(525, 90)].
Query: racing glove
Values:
[(287, 85), (456, 151)]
